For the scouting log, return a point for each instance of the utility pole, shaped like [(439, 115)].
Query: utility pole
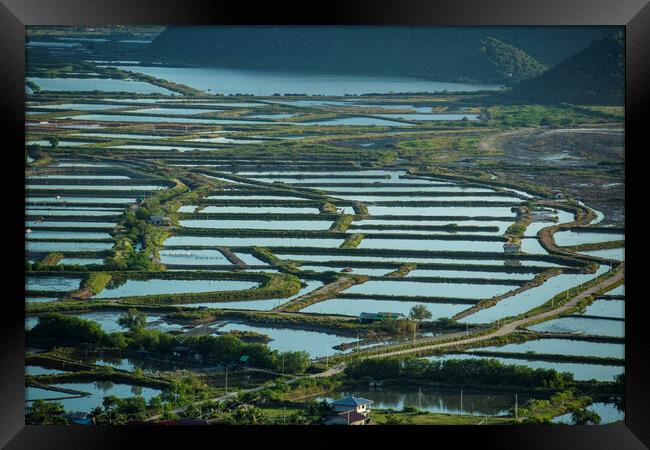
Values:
[(516, 407), (358, 342), (226, 379), (467, 328), (420, 399), (282, 364), (461, 400)]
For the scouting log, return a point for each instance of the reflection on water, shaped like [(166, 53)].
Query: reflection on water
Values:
[(435, 400)]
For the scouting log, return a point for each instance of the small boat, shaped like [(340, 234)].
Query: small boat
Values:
[(28, 230)]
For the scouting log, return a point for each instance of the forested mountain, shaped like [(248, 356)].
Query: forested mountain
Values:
[(470, 54), (595, 75)]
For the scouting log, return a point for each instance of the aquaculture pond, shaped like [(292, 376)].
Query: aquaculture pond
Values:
[(95, 187), (414, 259), (158, 119), (249, 259), (432, 211), (619, 290), (258, 305), (355, 121), (193, 257), (65, 224), (97, 84), (266, 83), (356, 270), (73, 235), (434, 400), (97, 390), (567, 238), (163, 286), (582, 325), (429, 289), (531, 298), (80, 246), (173, 111), (38, 370), (122, 135), (40, 299), (317, 344), (61, 143), (471, 274), (431, 244), (82, 106), (79, 177), (617, 254), (606, 308), (51, 283), (257, 224), (429, 117), (252, 241), (260, 210), (108, 321), (354, 307), (225, 140), (39, 211), (562, 347), (608, 413), (66, 199), (81, 261), (580, 371)]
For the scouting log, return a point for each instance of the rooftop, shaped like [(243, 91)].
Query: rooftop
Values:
[(353, 401)]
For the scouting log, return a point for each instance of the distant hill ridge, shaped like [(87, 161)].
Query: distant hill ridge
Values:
[(502, 55), (595, 75)]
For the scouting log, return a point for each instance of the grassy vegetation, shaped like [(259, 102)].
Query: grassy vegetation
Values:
[(95, 282)]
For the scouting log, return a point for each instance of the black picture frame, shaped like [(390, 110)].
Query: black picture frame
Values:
[(16, 14)]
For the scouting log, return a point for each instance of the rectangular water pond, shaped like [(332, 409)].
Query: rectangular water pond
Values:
[(562, 347), (317, 344), (608, 413), (606, 308), (97, 84), (418, 288), (432, 211), (260, 210), (86, 187), (258, 305), (617, 254), (431, 244), (567, 238), (531, 298), (257, 224), (580, 371), (52, 283), (194, 257), (97, 391), (66, 199), (76, 246), (161, 286), (471, 274), (72, 235), (253, 241), (354, 307), (583, 325), (80, 261), (413, 259)]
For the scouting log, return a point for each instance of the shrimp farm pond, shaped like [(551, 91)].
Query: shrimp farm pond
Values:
[(184, 225)]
